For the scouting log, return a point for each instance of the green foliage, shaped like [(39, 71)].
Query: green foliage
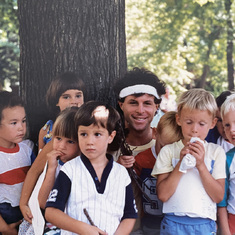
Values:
[(177, 39), (9, 43)]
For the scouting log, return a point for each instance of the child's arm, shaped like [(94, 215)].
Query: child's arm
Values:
[(223, 221), (10, 229), (31, 179), (168, 182), (41, 134), (63, 221), (49, 178), (130, 213), (213, 187), (125, 227)]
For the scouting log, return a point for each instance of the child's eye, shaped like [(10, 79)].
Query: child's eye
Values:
[(97, 134), (226, 125), (65, 97), (13, 123), (202, 124), (58, 138), (78, 96), (83, 134), (24, 121), (71, 142)]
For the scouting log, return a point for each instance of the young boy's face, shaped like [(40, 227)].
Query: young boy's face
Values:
[(229, 125), (93, 141), (70, 98), (68, 148), (195, 123), (13, 126)]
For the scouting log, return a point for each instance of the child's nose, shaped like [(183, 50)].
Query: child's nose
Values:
[(62, 145), (233, 128), (74, 101), (90, 140), (21, 126), (194, 128)]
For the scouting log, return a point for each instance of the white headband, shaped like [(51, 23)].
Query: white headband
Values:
[(141, 88)]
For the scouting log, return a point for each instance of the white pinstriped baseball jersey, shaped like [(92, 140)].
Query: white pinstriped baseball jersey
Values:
[(107, 202)]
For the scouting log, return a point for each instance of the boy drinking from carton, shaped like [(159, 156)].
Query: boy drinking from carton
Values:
[(191, 190)]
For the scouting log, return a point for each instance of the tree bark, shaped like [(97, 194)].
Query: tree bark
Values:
[(83, 36)]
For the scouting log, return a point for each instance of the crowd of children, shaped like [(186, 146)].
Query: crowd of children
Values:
[(95, 163)]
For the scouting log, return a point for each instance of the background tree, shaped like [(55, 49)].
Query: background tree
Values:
[(85, 36), (9, 44), (230, 37), (182, 41)]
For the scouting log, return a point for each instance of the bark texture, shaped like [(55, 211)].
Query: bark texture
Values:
[(83, 36)]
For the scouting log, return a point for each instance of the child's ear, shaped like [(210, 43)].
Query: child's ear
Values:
[(177, 119), (111, 137), (214, 121)]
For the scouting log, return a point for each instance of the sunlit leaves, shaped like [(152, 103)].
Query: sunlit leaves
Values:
[(176, 39), (9, 42)]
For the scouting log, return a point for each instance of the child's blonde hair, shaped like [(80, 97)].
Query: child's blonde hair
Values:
[(197, 98), (168, 121), (65, 124), (228, 105)]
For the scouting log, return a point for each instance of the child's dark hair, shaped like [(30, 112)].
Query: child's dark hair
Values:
[(9, 100), (86, 116), (60, 84), (222, 97), (65, 125)]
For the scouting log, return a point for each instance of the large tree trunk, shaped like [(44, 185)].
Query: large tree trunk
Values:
[(230, 64), (84, 36)]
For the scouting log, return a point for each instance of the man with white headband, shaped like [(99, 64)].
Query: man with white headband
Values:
[(139, 93)]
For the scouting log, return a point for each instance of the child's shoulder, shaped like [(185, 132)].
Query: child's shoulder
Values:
[(212, 147), (119, 166), (120, 173), (27, 146), (28, 143), (171, 147)]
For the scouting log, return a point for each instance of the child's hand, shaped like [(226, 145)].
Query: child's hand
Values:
[(126, 161), (26, 212), (93, 230), (184, 151), (52, 158), (198, 151)]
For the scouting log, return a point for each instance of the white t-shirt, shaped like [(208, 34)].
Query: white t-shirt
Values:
[(190, 197)]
